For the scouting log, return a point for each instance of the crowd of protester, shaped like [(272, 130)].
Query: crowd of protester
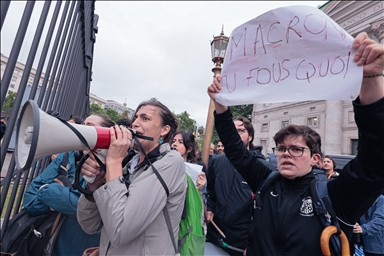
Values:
[(123, 212)]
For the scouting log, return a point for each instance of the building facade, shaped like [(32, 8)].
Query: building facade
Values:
[(19, 71), (332, 119), (94, 99), (17, 75), (120, 108)]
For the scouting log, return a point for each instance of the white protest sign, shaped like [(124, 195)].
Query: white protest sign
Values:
[(294, 53), (193, 170)]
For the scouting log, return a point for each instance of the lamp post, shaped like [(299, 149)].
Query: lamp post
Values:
[(218, 48)]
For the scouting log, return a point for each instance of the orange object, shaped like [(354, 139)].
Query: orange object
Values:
[(324, 241)]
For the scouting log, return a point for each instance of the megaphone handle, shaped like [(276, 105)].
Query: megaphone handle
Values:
[(102, 155), (78, 171)]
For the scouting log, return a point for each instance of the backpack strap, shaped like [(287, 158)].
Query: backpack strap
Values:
[(62, 177), (165, 210), (257, 204), (323, 208)]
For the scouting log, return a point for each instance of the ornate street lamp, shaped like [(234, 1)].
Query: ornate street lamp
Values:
[(218, 48)]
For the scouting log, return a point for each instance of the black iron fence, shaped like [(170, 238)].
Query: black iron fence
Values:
[(60, 58)]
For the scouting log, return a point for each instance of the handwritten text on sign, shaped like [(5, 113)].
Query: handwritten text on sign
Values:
[(292, 53)]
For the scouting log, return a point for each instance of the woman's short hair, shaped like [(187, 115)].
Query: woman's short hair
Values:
[(311, 137), (189, 143), (166, 116), (106, 121)]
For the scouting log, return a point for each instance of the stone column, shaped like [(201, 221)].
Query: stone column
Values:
[(332, 140), (378, 30)]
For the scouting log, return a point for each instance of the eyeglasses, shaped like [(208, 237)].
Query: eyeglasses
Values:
[(293, 151), (241, 131)]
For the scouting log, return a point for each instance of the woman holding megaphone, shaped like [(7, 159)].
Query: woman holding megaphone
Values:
[(127, 202)]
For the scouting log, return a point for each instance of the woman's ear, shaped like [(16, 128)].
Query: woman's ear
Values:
[(165, 130)]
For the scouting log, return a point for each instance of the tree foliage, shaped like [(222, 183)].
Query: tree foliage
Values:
[(113, 114), (201, 130), (242, 110), (96, 109), (186, 123), (125, 114), (9, 100)]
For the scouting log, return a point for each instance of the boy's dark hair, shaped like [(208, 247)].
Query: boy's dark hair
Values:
[(249, 127), (311, 137)]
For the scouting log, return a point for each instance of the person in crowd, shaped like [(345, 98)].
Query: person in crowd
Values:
[(3, 127), (229, 198), (128, 210), (329, 166), (43, 194), (220, 148), (124, 121), (371, 228), (281, 225), (212, 153), (184, 143)]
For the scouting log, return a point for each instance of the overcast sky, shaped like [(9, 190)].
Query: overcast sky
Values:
[(159, 49)]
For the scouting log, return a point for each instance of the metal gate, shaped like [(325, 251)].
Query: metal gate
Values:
[(59, 57)]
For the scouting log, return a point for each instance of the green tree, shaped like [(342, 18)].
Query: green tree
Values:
[(96, 109), (201, 130), (9, 100), (186, 124), (125, 114), (113, 114), (242, 110)]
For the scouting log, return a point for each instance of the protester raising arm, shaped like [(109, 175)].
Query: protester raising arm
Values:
[(371, 55)]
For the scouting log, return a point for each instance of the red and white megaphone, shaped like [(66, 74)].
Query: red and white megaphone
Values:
[(40, 134)]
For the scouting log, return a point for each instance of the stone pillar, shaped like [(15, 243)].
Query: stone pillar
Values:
[(378, 30), (332, 140)]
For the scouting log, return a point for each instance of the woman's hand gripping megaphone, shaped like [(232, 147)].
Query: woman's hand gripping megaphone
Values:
[(120, 141)]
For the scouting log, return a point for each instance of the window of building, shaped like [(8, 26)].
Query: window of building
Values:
[(14, 78), (263, 143), (16, 72), (286, 113), (354, 143), (284, 123), (312, 108), (312, 121), (12, 85), (264, 127), (266, 116), (351, 117)]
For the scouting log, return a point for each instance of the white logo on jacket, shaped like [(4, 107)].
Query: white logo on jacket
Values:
[(306, 208)]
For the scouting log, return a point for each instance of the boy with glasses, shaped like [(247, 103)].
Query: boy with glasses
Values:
[(287, 223)]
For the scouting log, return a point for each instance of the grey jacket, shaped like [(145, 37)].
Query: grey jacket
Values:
[(131, 220)]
